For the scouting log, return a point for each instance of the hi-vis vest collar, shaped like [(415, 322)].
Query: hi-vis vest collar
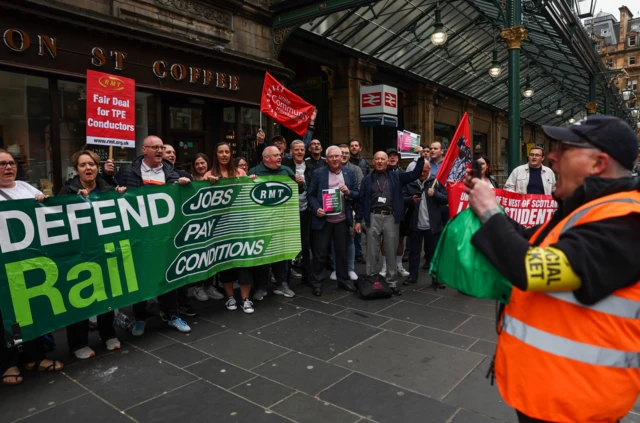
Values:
[(563, 361)]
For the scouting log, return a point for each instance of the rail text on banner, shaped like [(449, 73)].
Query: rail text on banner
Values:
[(71, 258)]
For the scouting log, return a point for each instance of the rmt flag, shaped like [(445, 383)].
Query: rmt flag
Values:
[(458, 157), (285, 107)]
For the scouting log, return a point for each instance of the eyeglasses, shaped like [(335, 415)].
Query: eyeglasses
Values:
[(567, 145), (155, 147), (5, 164), (535, 155), (346, 154), (334, 156), (243, 165)]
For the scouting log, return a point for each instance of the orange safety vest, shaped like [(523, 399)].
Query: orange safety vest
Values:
[(562, 361)]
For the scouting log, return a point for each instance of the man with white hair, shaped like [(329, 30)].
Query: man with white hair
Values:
[(332, 189), (381, 205)]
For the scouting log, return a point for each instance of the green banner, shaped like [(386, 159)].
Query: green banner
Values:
[(71, 258)]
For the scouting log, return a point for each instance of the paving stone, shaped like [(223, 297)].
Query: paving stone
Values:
[(128, 377), (180, 355), (479, 327), (465, 416), (201, 402), (239, 349), (383, 402), (220, 373), (362, 317), (77, 410), (443, 337), (329, 293), (36, 393), (305, 409), (425, 315), (316, 334), (398, 326), (302, 372), (631, 418), (484, 347), (410, 362), (371, 306), (469, 307), (636, 408), (316, 305), (266, 312), (149, 341), (418, 297), (475, 393), (263, 391)]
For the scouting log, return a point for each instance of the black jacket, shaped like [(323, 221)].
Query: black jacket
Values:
[(130, 176), (73, 185), (312, 164), (292, 165), (433, 203), (603, 253), (362, 164)]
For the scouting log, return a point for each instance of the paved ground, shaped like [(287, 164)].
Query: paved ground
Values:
[(422, 357)]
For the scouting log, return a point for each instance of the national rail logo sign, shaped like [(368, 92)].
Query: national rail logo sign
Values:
[(378, 105)]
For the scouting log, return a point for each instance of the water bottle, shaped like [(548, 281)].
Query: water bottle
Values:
[(122, 321)]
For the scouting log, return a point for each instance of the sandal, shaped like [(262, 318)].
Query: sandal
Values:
[(17, 378), (53, 367)]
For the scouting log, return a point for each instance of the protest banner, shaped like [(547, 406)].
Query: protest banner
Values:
[(285, 107), (527, 209), (111, 110), (71, 258)]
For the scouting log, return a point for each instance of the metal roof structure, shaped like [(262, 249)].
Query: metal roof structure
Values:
[(558, 57)]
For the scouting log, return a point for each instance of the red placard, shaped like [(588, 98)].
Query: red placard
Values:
[(285, 107), (526, 209), (111, 110)]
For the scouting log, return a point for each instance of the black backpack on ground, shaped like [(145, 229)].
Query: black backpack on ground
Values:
[(370, 287)]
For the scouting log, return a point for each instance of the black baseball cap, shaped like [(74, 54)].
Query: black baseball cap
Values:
[(610, 134), (393, 151)]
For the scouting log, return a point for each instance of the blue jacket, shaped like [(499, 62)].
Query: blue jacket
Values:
[(319, 182), (396, 182)]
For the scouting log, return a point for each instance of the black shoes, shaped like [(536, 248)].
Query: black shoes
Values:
[(426, 266), (360, 259), (317, 291), (410, 281), (396, 291), (347, 286), (437, 285)]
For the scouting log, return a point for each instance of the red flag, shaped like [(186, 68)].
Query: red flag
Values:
[(285, 107), (458, 157)]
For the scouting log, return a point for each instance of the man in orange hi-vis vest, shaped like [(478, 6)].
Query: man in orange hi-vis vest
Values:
[(569, 343)]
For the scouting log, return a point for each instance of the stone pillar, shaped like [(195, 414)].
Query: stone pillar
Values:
[(497, 124), (469, 106), (345, 124), (418, 114)]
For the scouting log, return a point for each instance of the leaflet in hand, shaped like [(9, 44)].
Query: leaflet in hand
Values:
[(331, 201)]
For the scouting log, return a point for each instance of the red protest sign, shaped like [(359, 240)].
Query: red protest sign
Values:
[(285, 107), (111, 110), (458, 157), (526, 209)]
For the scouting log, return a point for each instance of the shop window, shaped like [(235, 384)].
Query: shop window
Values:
[(73, 130), (186, 118), (480, 143), (632, 60), (25, 116), (443, 133)]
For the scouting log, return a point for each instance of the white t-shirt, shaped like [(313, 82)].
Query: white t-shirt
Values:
[(152, 176), (300, 168), (21, 191)]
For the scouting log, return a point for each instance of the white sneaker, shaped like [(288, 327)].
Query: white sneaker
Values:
[(84, 353), (383, 271), (247, 306), (231, 304), (112, 344), (402, 271), (199, 294), (213, 293), (284, 289), (295, 274), (333, 276), (353, 276)]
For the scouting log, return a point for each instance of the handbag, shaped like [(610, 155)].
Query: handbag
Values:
[(371, 287)]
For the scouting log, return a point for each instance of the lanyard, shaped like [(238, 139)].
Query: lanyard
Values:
[(383, 186)]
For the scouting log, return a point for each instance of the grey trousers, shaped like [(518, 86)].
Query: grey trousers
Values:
[(382, 224)]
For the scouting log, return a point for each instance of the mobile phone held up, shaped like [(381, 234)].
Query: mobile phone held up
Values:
[(476, 167)]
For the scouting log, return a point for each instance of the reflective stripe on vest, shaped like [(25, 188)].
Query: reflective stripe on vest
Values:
[(580, 213), (567, 348), (616, 306)]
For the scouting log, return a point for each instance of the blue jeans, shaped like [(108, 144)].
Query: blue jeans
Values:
[(351, 253)]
